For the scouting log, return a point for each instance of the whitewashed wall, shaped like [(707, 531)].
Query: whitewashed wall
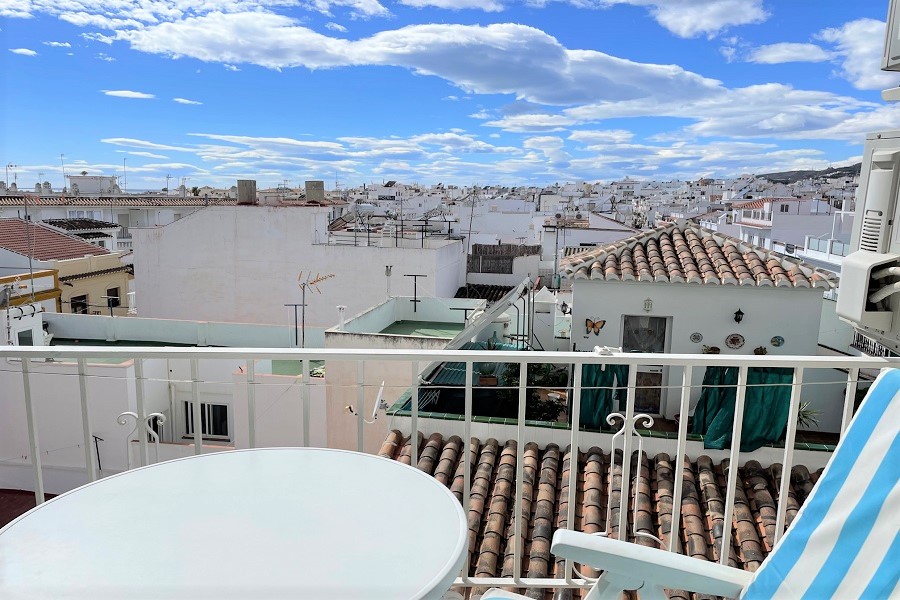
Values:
[(709, 310), (241, 264)]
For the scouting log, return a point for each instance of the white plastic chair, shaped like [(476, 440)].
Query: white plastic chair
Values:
[(843, 543)]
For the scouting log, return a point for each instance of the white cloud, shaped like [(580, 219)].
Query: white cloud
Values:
[(768, 110), (493, 59), (58, 44), (128, 94), (481, 114), (689, 18), (336, 27), (231, 68), (99, 37), (532, 122), (105, 57), (23, 51), (859, 45), (136, 143), (143, 154), (185, 101), (788, 52), (601, 136), (485, 5), (358, 8)]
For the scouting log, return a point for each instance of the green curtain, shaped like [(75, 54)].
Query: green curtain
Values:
[(600, 388), (766, 406)]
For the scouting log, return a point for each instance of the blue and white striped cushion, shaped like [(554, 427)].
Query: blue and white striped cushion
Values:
[(844, 542)]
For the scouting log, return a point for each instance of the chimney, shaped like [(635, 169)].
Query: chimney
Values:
[(315, 190), (246, 192)]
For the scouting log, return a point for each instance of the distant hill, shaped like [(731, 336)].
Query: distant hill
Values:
[(794, 176)]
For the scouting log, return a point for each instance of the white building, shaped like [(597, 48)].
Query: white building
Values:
[(678, 288), (242, 264)]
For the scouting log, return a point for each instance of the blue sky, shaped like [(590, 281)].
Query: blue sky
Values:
[(453, 91)]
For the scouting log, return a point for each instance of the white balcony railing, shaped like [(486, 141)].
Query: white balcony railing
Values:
[(65, 390)]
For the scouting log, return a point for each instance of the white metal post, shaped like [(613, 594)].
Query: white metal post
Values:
[(733, 462), (196, 408), (251, 402), (467, 462), (520, 473), (678, 460), (414, 416), (360, 403), (849, 398), (304, 390), (90, 460), (573, 458), (141, 413), (625, 493), (33, 441), (788, 463)]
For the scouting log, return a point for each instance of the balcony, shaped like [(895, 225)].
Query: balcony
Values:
[(73, 415)]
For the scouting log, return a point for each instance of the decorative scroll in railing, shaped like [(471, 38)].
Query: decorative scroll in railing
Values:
[(628, 437), (147, 428)]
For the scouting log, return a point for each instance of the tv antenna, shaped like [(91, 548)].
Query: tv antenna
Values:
[(312, 282)]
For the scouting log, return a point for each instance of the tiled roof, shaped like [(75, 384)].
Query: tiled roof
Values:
[(491, 293), (120, 201), (763, 201), (124, 268), (687, 253), (76, 224), (46, 243), (545, 489)]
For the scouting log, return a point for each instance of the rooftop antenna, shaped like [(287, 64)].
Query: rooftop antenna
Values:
[(309, 281), (62, 163)]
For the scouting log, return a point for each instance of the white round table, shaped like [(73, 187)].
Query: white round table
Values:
[(250, 524)]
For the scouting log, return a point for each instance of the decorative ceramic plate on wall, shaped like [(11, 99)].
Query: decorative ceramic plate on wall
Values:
[(734, 341), (777, 341), (696, 337)]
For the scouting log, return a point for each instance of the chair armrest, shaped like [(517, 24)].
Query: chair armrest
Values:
[(655, 567)]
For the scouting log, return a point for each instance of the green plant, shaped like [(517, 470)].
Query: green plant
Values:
[(807, 417), (537, 408)]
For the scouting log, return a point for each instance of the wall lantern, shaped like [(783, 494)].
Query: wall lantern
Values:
[(648, 305), (565, 308), (738, 316)]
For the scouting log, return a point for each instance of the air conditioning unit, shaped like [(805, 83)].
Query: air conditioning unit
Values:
[(870, 276)]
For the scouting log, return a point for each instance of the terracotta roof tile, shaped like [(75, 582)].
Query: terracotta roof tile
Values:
[(545, 497), (45, 243), (687, 253)]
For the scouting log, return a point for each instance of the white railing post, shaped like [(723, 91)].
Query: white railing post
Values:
[(141, 413), (520, 474), (196, 407), (33, 441), (414, 415), (467, 461), (90, 461), (849, 398), (360, 404), (788, 463), (251, 402), (304, 391), (573, 458), (733, 462), (625, 493), (678, 461)]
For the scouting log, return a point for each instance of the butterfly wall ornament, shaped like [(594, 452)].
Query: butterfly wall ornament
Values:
[(594, 326)]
